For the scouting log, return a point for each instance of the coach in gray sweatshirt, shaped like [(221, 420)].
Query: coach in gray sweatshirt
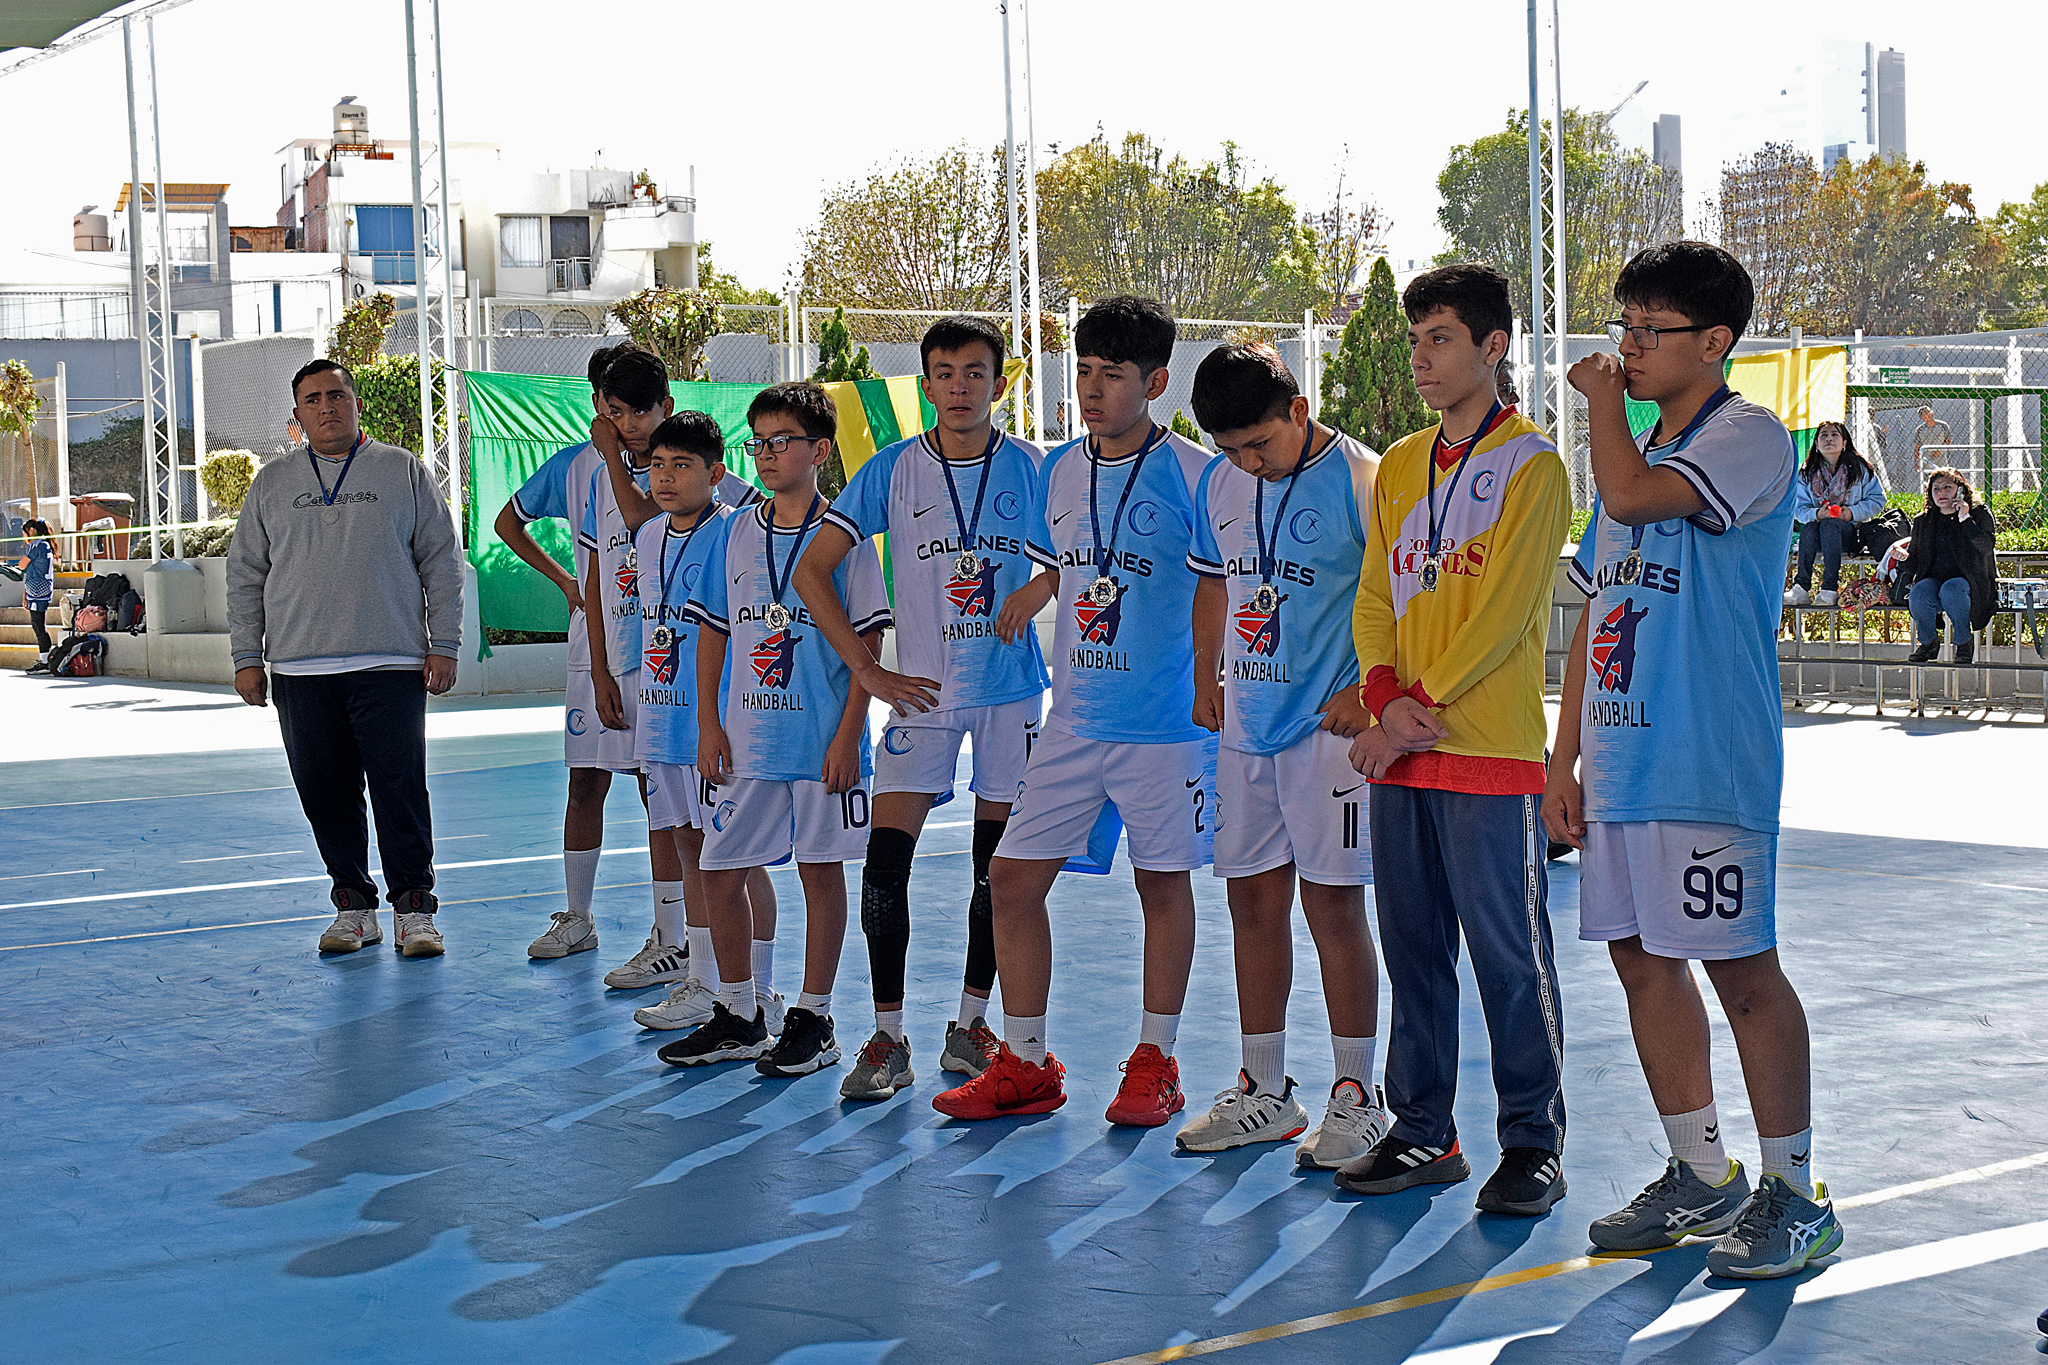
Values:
[(345, 575)]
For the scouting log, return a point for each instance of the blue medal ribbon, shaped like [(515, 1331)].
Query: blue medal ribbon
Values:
[(969, 528), (1267, 557), (327, 498), (1433, 554), (667, 575), (777, 587), (1153, 438)]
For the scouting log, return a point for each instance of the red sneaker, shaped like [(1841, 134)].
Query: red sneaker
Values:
[(1150, 1094), (1010, 1085)]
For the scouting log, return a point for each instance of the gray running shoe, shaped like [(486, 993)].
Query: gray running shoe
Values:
[(882, 1069), (568, 932), (1777, 1233), (969, 1047), (1242, 1115), (1674, 1206), (656, 964)]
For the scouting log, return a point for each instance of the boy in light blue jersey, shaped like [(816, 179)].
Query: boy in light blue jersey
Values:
[(1278, 544), (1672, 716), (788, 751), (956, 503), (1116, 517)]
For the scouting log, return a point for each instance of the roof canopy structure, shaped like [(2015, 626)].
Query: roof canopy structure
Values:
[(39, 23)]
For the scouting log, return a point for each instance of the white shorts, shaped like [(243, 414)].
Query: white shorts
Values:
[(676, 795), (1303, 805), (757, 823), (1688, 889), (919, 753), (586, 743), (1164, 793)]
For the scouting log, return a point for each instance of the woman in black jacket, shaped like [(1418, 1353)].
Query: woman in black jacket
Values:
[(1951, 568)]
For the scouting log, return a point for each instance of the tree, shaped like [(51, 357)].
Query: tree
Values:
[(1344, 237), (2021, 295), (1765, 217), (1899, 254), (727, 288), (837, 358), (930, 234), (390, 389), (672, 323), (359, 337), (1202, 236), (18, 404), (1369, 389), (1616, 202)]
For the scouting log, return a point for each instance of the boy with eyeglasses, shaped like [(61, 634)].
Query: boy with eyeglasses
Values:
[(956, 502), (1672, 717), (787, 752)]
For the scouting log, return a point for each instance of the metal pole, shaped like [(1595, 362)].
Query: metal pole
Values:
[(1561, 403), (205, 508), (1535, 233), (1033, 303), (61, 400), (419, 251), (163, 280), (138, 285), (1073, 428), (1311, 382), (476, 358), (1016, 227)]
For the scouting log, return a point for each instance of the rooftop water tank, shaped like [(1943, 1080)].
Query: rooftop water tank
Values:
[(89, 231), (351, 121)]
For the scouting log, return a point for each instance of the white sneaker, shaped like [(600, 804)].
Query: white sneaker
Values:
[(1241, 1116), (655, 964), (351, 930), (1826, 597), (416, 935), (688, 1006), (773, 1011), (1353, 1125), (1798, 597), (569, 933)]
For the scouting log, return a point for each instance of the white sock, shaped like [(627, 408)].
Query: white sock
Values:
[(668, 913), (890, 1022), (1160, 1030), (703, 961), (764, 965), (1025, 1035), (820, 1005), (1790, 1159), (1695, 1139), (1354, 1059), (579, 878), (1265, 1060), (972, 1007), (737, 996)]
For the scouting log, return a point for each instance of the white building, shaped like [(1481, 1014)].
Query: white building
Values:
[(1845, 102)]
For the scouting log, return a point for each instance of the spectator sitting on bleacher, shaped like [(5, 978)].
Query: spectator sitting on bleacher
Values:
[(1952, 567), (1836, 491)]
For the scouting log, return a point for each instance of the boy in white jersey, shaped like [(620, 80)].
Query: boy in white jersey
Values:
[(1674, 724), (956, 502), (1278, 543), (1116, 518), (788, 751)]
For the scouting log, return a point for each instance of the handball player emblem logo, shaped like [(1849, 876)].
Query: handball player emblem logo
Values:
[(774, 659), (1099, 625), (626, 578), (660, 658), (1008, 505), (896, 739), (975, 596), (1260, 630), (578, 722), (1613, 650), (722, 814)]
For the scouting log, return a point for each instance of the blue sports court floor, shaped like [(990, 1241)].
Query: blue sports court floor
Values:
[(221, 1147)]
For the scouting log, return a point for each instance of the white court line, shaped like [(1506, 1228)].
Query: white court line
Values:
[(30, 876), (2018, 1163), (230, 857), (244, 791)]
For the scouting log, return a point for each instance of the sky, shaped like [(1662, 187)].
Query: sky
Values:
[(774, 104)]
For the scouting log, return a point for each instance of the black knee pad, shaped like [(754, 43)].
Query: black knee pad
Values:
[(885, 883), (981, 945), (987, 834)]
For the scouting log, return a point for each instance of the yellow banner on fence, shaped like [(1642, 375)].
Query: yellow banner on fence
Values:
[(1804, 387)]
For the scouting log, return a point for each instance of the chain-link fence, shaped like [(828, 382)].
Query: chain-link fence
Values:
[(248, 389)]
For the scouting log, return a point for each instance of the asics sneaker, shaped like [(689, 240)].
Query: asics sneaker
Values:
[(415, 934), (807, 1044), (1526, 1183), (969, 1047), (656, 964), (1009, 1086), (1243, 1115), (567, 933), (1674, 1206), (882, 1070), (1777, 1233), (355, 922), (1150, 1094), (725, 1037), (1397, 1164), (1353, 1125), (687, 1006)]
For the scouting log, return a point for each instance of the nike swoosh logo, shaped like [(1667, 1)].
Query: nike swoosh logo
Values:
[(671, 900), (1340, 795), (933, 508), (1194, 782), (1226, 525), (738, 576), (1062, 517), (1697, 855)]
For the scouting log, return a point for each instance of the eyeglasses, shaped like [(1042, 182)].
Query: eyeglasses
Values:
[(777, 444), (1646, 337)]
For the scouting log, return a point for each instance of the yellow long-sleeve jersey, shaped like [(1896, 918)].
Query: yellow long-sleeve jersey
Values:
[(1472, 650)]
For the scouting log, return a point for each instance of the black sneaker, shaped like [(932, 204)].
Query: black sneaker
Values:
[(1396, 1165), (1924, 654), (1527, 1182), (1966, 653), (807, 1044), (726, 1038)]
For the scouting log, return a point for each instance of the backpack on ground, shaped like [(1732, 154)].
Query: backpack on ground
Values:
[(105, 590), (77, 656), (89, 618), (128, 615)]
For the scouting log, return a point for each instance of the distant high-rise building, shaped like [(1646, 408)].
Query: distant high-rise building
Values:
[(1890, 102), (1848, 105), (1664, 136)]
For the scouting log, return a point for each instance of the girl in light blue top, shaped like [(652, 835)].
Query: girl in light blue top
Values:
[(1836, 491)]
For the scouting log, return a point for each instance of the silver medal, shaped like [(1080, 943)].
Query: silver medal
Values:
[(777, 616), (663, 637), (1632, 568), (330, 516), (1266, 598), (1430, 570), (968, 565), (1102, 592), (632, 559)]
